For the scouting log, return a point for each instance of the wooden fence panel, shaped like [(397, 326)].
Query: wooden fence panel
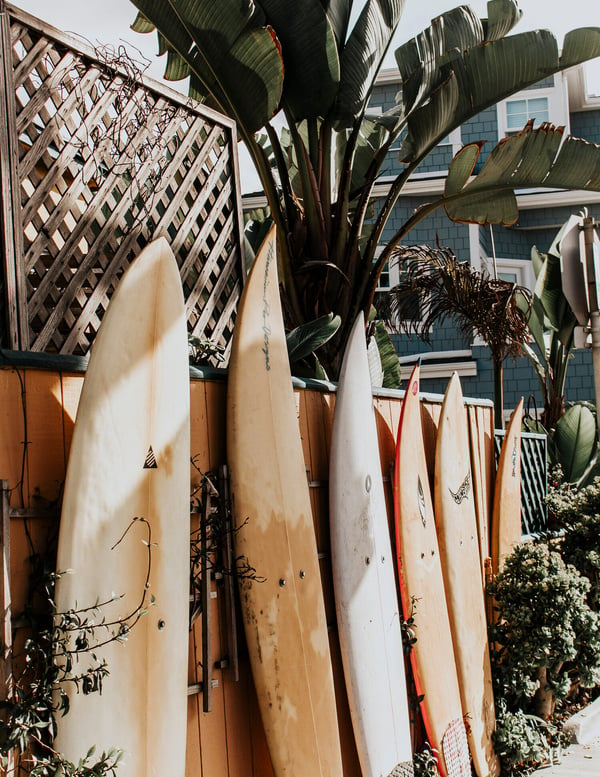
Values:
[(96, 161), (229, 740)]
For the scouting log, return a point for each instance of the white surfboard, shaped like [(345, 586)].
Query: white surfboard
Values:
[(125, 525), (366, 599)]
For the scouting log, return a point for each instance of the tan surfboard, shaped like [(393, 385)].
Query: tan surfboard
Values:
[(506, 516), (125, 526), (422, 588), (456, 524), (282, 607)]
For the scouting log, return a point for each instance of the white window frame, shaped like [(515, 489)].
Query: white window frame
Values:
[(558, 109), (522, 268)]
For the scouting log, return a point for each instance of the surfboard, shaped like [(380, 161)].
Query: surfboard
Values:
[(280, 590), (125, 530), (456, 524), (506, 515), (423, 595), (366, 601)]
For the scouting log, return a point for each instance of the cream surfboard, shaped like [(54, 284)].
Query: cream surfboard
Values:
[(506, 515), (456, 524), (422, 592), (124, 527), (366, 600), (282, 607)]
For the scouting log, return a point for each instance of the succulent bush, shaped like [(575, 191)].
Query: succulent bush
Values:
[(576, 513), (546, 637)]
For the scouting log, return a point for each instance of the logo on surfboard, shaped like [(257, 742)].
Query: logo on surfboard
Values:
[(463, 490), (150, 460), (421, 497)]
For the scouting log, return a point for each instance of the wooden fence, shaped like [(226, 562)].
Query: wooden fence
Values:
[(95, 161), (37, 413)]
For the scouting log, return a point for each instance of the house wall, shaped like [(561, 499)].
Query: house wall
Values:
[(535, 227)]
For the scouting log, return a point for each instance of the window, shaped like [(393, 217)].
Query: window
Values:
[(513, 270), (540, 103), (519, 112)]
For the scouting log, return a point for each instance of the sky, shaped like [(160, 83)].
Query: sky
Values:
[(107, 23)]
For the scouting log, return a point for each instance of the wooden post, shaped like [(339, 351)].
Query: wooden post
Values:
[(10, 198)]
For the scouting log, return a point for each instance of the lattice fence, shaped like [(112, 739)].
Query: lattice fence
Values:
[(95, 162)]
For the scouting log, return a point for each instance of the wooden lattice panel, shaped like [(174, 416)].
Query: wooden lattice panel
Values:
[(106, 162)]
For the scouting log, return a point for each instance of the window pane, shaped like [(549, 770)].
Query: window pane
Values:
[(384, 278), (538, 109), (516, 106)]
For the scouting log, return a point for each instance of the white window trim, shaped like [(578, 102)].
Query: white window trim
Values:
[(466, 367), (522, 268), (558, 109)]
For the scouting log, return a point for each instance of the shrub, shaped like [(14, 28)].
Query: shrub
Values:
[(576, 512), (546, 636)]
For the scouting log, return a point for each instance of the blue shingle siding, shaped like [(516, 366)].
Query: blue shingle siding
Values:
[(438, 160), (483, 127), (586, 124)]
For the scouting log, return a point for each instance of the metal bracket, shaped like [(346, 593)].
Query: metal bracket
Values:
[(216, 503)]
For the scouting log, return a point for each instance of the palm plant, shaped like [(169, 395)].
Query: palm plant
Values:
[(304, 61), (495, 310)]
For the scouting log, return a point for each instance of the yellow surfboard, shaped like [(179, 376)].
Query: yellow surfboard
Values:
[(506, 516), (422, 592), (282, 598), (456, 524)]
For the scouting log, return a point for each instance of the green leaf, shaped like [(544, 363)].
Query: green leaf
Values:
[(338, 12), (575, 439), (461, 168), (362, 55), (488, 71), (310, 55), (307, 338), (389, 358), (236, 63), (532, 158), (580, 45), (142, 25), (502, 17)]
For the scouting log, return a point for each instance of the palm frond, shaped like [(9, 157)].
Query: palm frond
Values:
[(449, 289)]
